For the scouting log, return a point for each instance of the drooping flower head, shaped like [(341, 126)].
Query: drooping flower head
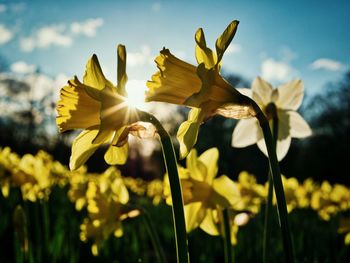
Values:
[(202, 88), (282, 103), (101, 109)]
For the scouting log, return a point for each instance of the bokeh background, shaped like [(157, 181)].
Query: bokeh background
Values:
[(45, 43)]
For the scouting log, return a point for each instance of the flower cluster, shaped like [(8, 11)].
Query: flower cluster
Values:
[(33, 174), (105, 196)]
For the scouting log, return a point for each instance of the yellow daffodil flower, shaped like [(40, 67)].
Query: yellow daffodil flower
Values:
[(201, 88), (283, 101), (33, 176), (105, 199), (203, 194), (101, 109), (8, 162), (252, 194), (344, 228)]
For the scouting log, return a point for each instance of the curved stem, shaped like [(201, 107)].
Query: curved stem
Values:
[(277, 182), (175, 187), (268, 208), (227, 236)]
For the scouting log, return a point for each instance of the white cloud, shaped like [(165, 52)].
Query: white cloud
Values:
[(156, 7), (2, 8), (233, 48), (5, 34), (140, 58), (87, 27), (272, 69), (45, 37), (326, 64), (59, 35), (22, 67)]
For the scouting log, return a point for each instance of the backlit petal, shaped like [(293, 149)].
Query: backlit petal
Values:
[(209, 224), (197, 169), (281, 150), (121, 74), (210, 159), (228, 189), (188, 132), (117, 155), (299, 127), (93, 76), (246, 132), (290, 95), (83, 148), (225, 39), (204, 54), (194, 215), (262, 91)]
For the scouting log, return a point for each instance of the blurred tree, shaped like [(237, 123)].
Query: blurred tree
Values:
[(324, 156)]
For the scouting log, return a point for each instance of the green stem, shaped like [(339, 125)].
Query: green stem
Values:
[(268, 208), (38, 232), (277, 181), (227, 236), (175, 188), (46, 227), (154, 236)]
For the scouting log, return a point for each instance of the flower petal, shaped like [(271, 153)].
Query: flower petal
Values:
[(299, 127), (188, 132), (225, 39), (194, 215), (83, 148), (227, 189), (281, 150), (283, 124), (93, 76), (210, 159), (122, 77), (262, 91), (246, 132), (204, 54), (117, 155), (209, 224), (197, 169), (290, 95)]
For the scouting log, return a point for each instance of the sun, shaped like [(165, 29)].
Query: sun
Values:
[(136, 94)]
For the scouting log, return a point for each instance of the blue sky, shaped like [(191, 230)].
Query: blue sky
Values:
[(278, 40)]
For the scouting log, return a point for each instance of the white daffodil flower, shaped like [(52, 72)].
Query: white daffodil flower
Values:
[(283, 101)]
